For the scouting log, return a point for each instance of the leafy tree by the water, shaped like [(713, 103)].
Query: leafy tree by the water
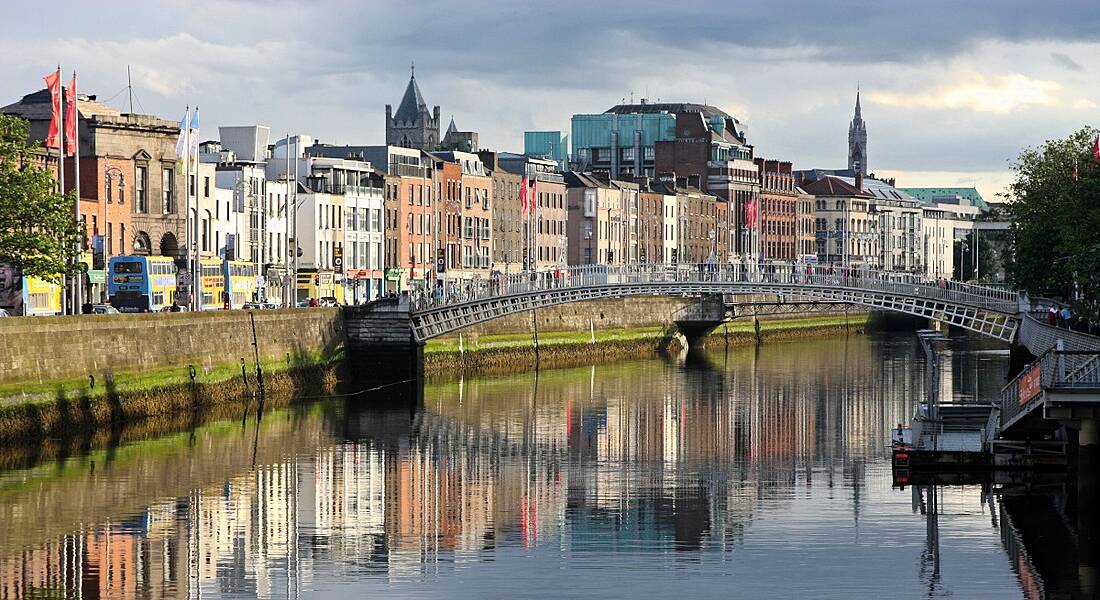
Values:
[(38, 231), (1054, 240)]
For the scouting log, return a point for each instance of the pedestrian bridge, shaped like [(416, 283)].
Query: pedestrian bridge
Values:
[(990, 311)]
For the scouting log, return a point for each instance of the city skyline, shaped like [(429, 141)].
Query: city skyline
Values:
[(948, 101)]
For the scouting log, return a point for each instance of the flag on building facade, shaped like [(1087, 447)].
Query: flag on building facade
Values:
[(181, 144), (53, 84), (194, 150), (532, 197), (70, 117), (750, 214), (523, 197)]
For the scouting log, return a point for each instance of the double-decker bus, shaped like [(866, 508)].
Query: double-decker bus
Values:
[(141, 283), (28, 296), (240, 283), (212, 283)]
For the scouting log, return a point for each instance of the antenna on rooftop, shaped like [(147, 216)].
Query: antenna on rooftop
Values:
[(130, 88)]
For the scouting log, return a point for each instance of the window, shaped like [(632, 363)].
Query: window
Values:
[(206, 187), (139, 190), (168, 187)]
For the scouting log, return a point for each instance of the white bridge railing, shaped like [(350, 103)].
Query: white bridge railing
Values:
[(753, 275)]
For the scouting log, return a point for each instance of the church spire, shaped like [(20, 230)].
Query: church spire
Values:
[(857, 141)]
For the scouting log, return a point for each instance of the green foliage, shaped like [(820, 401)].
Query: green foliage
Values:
[(39, 234), (1054, 241), (964, 255)]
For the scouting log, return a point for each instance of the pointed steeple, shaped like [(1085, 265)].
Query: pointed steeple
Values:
[(857, 140), (412, 103), (452, 128)]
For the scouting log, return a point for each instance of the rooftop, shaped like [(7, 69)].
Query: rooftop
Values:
[(930, 195)]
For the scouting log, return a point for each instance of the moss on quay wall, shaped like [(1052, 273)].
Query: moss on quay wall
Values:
[(63, 409), (516, 352)]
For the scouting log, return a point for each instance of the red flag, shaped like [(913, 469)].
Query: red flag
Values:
[(750, 214), (1096, 149), (53, 83), (70, 117), (523, 196), (532, 197)]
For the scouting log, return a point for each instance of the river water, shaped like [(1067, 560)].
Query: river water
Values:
[(758, 472)]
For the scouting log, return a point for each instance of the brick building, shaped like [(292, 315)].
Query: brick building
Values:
[(507, 235), (779, 210), (131, 156), (594, 221)]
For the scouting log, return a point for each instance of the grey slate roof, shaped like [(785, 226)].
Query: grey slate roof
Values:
[(412, 103)]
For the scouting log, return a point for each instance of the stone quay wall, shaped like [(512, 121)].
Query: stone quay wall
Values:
[(44, 349)]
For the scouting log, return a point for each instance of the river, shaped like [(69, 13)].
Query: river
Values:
[(758, 472)]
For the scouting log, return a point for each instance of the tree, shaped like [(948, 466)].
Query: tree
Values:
[(964, 253), (1053, 243), (39, 234)]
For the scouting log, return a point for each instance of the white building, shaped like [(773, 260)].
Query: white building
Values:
[(364, 231)]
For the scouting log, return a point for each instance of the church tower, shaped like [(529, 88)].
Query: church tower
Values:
[(857, 142), (413, 126)]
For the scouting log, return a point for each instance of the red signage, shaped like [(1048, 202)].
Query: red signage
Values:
[(1030, 385)]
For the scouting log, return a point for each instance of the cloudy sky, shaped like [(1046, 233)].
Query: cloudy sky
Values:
[(951, 90)]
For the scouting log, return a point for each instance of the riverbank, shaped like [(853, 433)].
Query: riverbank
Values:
[(510, 352), (176, 396)]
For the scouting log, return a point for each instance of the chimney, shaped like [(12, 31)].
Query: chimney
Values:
[(859, 180), (693, 181)]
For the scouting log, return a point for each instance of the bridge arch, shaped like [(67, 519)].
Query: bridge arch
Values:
[(988, 311)]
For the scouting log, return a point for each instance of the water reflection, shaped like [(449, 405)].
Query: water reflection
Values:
[(763, 471)]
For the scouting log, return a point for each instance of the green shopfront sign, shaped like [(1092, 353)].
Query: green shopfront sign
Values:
[(96, 277), (394, 274)]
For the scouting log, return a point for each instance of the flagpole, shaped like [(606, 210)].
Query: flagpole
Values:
[(294, 185), (286, 229), (197, 283), (66, 307), (78, 284), (187, 199)]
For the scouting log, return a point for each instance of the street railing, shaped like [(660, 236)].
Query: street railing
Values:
[(821, 276), (1055, 369)]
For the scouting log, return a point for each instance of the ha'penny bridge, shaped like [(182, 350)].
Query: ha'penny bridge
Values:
[(1062, 387)]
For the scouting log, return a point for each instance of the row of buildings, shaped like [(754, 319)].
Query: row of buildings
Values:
[(640, 183)]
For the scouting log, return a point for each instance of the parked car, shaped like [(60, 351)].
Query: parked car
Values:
[(4, 313), (174, 308), (327, 301), (303, 304), (104, 309), (269, 306), (252, 306)]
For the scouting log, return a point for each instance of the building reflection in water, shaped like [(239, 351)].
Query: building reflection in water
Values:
[(649, 455)]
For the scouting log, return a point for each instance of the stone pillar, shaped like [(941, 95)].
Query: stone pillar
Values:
[(382, 352)]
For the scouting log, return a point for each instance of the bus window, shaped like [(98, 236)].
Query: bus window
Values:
[(127, 267)]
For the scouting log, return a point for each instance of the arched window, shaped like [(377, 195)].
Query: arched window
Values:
[(206, 231), (168, 245), (142, 244)]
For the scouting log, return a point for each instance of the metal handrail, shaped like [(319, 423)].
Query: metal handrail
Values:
[(1056, 371), (822, 276)]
